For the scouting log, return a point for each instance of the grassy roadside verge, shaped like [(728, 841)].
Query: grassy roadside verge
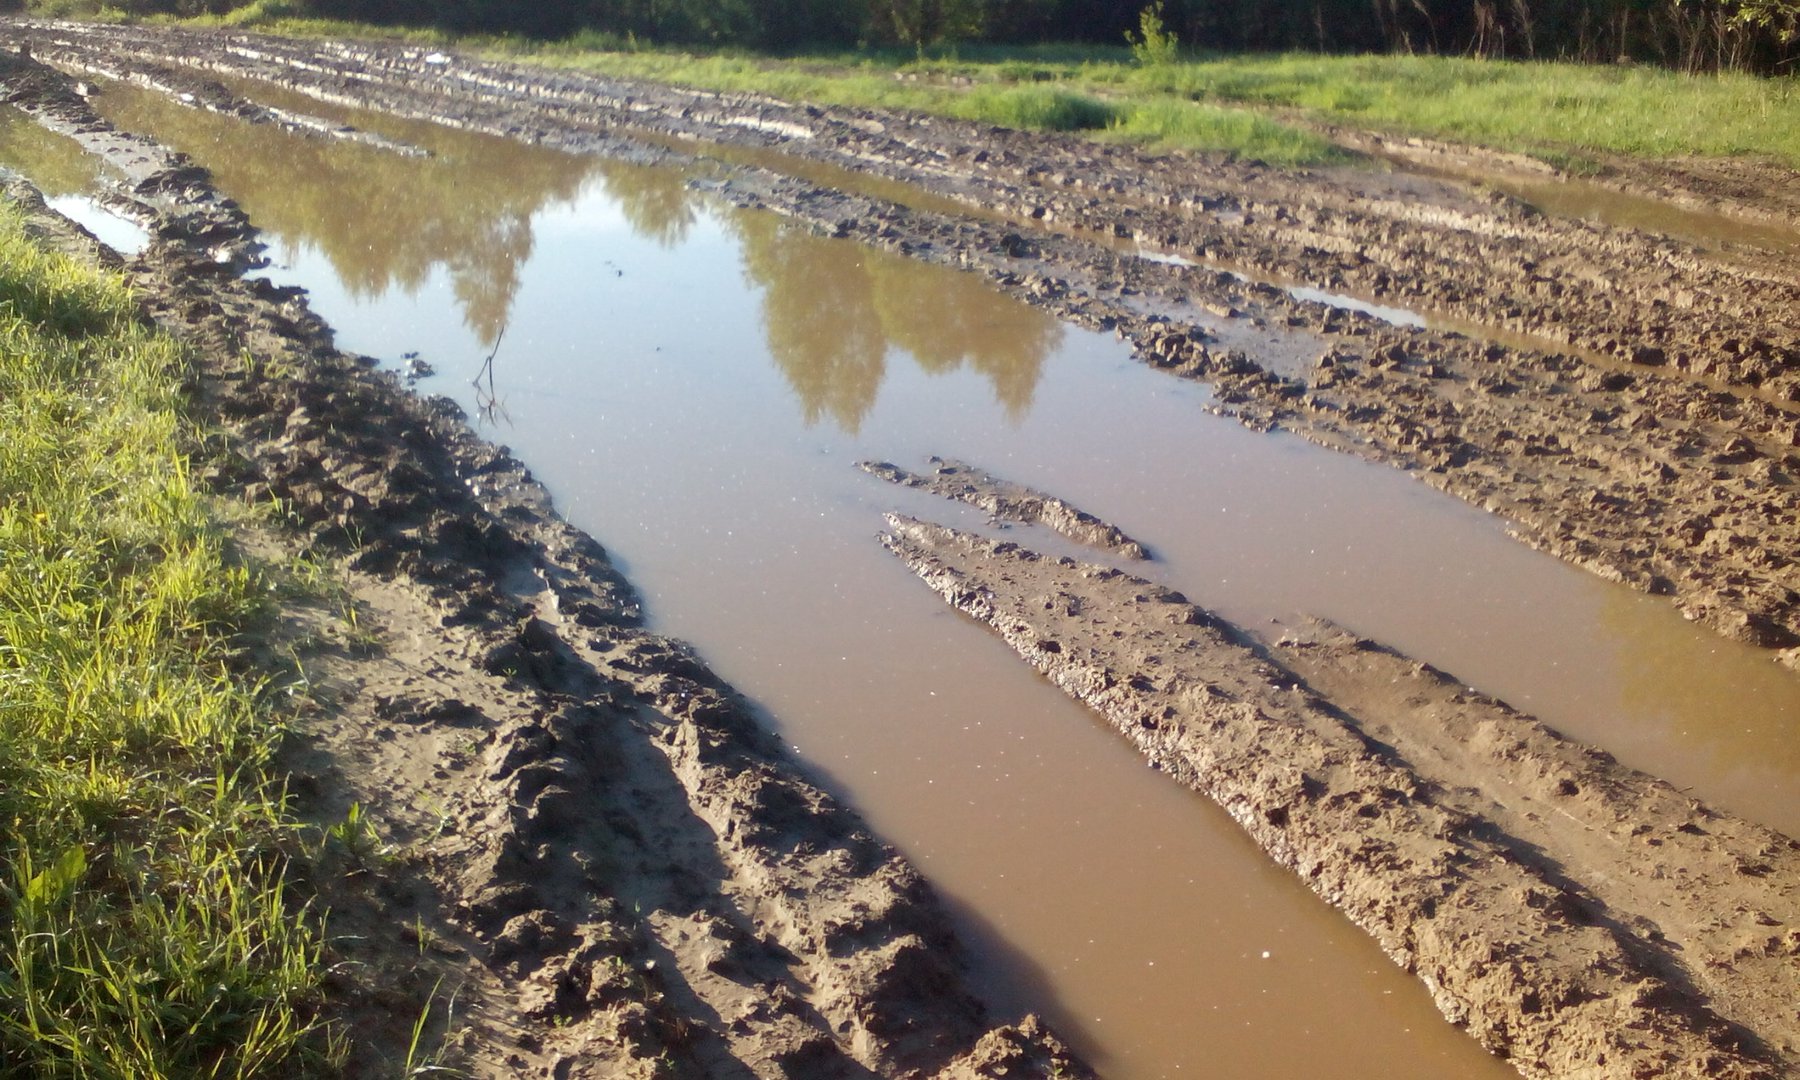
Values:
[(1557, 111), (1243, 105), (145, 924)]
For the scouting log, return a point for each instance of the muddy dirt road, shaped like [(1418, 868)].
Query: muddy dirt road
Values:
[(1646, 439), (1624, 400)]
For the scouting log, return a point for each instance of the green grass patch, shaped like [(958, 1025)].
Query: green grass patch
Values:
[(1553, 108), (1037, 88), (1034, 108), (1246, 105), (146, 928), (1035, 94), (1241, 132), (286, 18)]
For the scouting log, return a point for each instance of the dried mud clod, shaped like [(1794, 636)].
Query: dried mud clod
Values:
[(574, 846), (1578, 918), (1007, 501)]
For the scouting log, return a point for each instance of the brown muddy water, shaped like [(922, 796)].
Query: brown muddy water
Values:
[(694, 384)]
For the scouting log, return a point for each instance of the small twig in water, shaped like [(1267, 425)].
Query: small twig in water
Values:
[(487, 366), (487, 399)]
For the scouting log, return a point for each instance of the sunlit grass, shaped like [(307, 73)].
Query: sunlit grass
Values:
[(1034, 108), (1243, 132), (1535, 107), (1039, 95), (145, 924), (1249, 105)]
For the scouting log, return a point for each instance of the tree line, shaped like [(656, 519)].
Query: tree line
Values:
[(1694, 35)]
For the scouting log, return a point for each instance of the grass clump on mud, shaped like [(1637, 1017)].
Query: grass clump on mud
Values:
[(1246, 105), (1250, 106), (146, 926)]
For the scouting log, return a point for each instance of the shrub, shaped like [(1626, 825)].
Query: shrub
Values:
[(1154, 45)]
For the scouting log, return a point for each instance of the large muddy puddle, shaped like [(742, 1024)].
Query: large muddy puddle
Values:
[(695, 383)]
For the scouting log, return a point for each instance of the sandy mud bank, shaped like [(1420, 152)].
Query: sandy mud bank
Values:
[(1007, 501)]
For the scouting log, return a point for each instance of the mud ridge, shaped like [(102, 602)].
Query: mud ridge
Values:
[(214, 97), (1660, 453), (1007, 501), (1578, 918), (618, 869)]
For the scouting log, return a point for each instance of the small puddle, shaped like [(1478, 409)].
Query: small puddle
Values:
[(694, 384), (1601, 205), (116, 231), (55, 163), (1166, 258), (1585, 200), (1395, 316), (70, 179)]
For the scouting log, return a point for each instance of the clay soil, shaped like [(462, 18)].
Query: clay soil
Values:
[(621, 871)]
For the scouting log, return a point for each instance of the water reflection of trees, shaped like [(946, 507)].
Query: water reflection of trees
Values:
[(656, 202), (832, 310), (819, 315), (55, 164), (947, 320), (383, 220)]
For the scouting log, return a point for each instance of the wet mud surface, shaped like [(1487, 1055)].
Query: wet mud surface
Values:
[(1007, 501), (626, 869)]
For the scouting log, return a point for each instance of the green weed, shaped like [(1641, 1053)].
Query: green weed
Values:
[(1154, 44), (422, 1058), (356, 841)]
